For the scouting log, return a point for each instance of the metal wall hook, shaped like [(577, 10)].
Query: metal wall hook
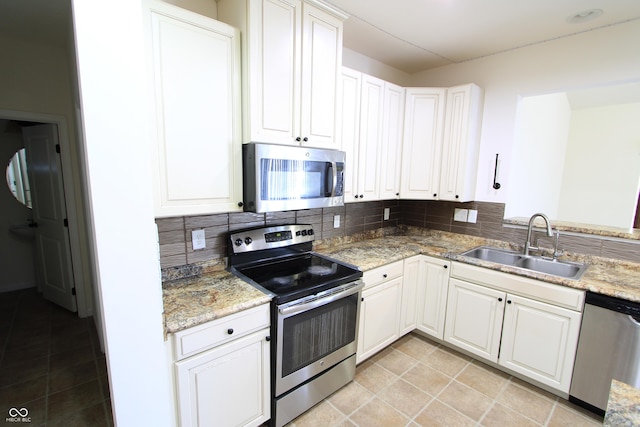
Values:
[(496, 184)]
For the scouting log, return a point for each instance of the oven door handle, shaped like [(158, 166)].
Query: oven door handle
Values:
[(312, 303)]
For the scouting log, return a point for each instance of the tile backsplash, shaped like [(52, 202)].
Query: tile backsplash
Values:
[(176, 248)]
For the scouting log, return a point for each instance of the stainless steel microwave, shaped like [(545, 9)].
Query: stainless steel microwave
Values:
[(284, 177)]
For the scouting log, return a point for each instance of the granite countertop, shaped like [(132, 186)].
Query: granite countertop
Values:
[(216, 293), (623, 407), (604, 276), (195, 300)]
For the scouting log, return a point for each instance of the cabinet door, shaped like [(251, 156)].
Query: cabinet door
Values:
[(226, 386), (379, 318), (372, 98), (391, 144), (321, 66), (422, 143), (540, 340), (461, 143), (274, 64), (412, 272), (194, 62), (349, 128), (432, 285), (474, 318)]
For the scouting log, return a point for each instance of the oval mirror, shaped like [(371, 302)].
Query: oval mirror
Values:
[(17, 178)]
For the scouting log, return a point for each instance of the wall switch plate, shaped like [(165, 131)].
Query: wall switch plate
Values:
[(336, 221), (198, 239), (460, 215), (385, 216), (472, 216)]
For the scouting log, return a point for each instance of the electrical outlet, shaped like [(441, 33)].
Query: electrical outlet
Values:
[(336, 221), (472, 216), (198, 239), (386, 214), (460, 215)]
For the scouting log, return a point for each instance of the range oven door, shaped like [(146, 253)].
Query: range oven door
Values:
[(315, 333)]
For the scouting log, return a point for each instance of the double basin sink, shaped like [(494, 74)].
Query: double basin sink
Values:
[(554, 267)]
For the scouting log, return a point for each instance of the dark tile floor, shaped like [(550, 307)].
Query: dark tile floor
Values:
[(50, 364)]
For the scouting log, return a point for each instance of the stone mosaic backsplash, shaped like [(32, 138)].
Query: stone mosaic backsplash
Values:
[(356, 218)]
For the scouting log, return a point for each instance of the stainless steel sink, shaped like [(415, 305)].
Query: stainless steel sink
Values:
[(566, 269)]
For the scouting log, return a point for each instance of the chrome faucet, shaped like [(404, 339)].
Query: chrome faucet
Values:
[(527, 244)]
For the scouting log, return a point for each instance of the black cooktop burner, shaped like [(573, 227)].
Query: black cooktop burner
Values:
[(299, 276)]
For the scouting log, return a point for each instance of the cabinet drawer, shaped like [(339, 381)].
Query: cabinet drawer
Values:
[(381, 274), (202, 337)]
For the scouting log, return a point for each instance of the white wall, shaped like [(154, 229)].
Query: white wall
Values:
[(584, 60), (364, 64), (538, 156), (110, 56), (602, 138)]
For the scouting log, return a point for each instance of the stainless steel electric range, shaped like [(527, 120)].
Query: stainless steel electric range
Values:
[(314, 313)]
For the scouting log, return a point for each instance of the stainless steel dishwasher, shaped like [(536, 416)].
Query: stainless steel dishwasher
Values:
[(608, 348)]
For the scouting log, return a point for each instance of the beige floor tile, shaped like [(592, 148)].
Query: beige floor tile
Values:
[(447, 361), (415, 346), (427, 379), (528, 403), (405, 397), (74, 399), (466, 400), (484, 379), (350, 397), (563, 416), (374, 378), (501, 416), (438, 414), (377, 413), (397, 362), (323, 414)]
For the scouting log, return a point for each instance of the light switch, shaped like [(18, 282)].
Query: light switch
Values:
[(336, 221), (198, 239), (472, 216), (460, 215), (386, 214)]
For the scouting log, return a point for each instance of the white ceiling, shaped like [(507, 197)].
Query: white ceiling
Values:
[(410, 35), (415, 35)]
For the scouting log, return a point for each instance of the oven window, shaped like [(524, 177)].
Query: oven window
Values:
[(313, 334)]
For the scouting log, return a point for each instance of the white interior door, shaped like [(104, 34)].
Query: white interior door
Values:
[(53, 252)]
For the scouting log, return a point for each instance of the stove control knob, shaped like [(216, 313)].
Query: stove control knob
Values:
[(248, 240), (304, 232), (298, 233), (238, 242), (310, 232)]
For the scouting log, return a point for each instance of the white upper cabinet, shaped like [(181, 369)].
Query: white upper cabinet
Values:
[(371, 107), (293, 56), (391, 143), (194, 68), (441, 143), (422, 143), (349, 128), (461, 144)]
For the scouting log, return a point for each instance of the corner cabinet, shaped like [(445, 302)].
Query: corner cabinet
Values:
[(441, 143), (222, 371), (292, 59), (195, 95), (524, 325)]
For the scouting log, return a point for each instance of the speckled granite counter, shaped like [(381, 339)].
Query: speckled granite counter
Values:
[(192, 301), (217, 293), (605, 276), (574, 227), (623, 407)]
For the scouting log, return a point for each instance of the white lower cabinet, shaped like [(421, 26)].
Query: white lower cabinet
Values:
[(527, 326), (540, 340), (379, 323), (228, 384)]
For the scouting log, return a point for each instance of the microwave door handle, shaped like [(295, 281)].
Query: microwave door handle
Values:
[(331, 190)]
